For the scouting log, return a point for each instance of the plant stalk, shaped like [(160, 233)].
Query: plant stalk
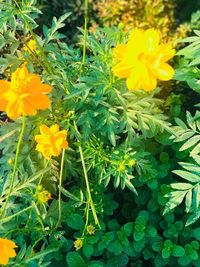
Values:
[(15, 164), (85, 31), (59, 192), (90, 201)]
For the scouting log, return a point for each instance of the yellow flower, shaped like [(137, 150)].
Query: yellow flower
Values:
[(142, 60), (78, 243), (10, 161), (31, 45), (24, 94), (51, 141), (43, 196), (91, 229), (7, 250)]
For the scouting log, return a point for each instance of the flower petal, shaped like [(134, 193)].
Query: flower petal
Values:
[(119, 51), (151, 41), (163, 72)]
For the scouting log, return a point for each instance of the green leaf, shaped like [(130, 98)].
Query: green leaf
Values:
[(178, 251), (196, 196), (75, 221), (166, 253), (115, 247), (151, 231), (176, 198), (105, 240), (88, 250), (96, 264), (190, 167), (193, 218), (184, 261), (196, 233), (75, 260), (193, 254), (138, 235), (191, 177), (191, 142), (188, 200), (119, 261), (181, 186), (128, 228), (157, 246)]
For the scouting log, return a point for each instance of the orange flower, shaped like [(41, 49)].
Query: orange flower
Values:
[(51, 141), (7, 250), (142, 60), (24, 94)]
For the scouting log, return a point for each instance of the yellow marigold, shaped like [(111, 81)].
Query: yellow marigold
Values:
[(78, 243), (142, 60), (24, 94), (44, 196), (51, 141), (7, 250)]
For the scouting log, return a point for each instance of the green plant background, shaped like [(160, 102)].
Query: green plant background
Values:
[(141, 151)]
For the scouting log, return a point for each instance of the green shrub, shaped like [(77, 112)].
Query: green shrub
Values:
[(115, 191)]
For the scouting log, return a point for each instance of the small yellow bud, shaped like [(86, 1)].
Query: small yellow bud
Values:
[(10, 161), (78, 243), (132, 163), (91, 229), (43, 196), (39, 188)]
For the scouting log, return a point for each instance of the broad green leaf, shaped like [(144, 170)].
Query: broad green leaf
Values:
[(75, 260), (178, 251)]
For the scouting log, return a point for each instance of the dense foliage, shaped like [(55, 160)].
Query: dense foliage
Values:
[(124, 190)]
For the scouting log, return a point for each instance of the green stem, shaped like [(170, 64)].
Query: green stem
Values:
[(45, 166), (85, 31), (87, 209), (15, 164), (47, 64), (90, 201), (59, 192)]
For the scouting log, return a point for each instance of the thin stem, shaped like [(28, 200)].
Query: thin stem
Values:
[(15, 164), (90, 201), (45, 166), (47, 64), (60, 185), (87, 209), (85, 31)]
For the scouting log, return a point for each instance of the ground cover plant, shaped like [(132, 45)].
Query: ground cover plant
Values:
[(100, 143)]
